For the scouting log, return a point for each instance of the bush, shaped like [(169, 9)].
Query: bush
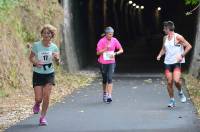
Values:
[(191, 2)]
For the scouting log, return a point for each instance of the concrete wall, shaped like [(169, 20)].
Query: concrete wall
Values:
[(78, 50), (68, 49), (75, 48), (195, 63)]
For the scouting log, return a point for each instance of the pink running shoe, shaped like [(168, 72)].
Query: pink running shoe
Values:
[(36, 108), (43, 121)]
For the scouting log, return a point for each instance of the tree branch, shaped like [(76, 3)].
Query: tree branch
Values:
[(190, 12)]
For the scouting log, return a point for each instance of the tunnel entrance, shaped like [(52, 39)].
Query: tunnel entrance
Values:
[(138, 26)]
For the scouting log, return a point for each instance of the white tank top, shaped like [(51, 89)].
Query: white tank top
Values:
[(173, 50)]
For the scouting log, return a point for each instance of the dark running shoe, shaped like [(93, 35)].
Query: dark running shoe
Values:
[(109, 100)]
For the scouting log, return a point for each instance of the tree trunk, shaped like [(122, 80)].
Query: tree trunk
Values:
[(195, 63), (105, 13)]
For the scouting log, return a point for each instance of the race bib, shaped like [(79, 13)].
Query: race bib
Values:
[(108, 55), (45, 57)]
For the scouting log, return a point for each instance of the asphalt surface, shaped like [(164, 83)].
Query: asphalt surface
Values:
[(138, 106)]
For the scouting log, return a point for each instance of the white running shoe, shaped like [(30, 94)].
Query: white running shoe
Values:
[(171, 103), (182, 97)]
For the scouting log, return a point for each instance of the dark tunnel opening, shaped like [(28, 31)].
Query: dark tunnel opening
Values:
[(139, 30)]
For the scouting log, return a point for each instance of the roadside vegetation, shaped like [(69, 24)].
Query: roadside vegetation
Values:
[(20, 24)]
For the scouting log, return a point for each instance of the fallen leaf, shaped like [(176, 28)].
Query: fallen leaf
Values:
[(148, 81)]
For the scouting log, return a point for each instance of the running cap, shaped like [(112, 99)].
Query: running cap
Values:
[(109, 30)]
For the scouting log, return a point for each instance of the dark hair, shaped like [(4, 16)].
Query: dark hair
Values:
[(170, 25)]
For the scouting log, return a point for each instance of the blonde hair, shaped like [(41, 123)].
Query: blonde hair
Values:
[(51, 28)]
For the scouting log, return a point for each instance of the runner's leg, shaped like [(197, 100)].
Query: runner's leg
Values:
[(176, 77), (103, 69), (105, 88), (38, 94), (111, 69), (110, 86), (38, 99), (46, 95), (177, 80), (169, 78)]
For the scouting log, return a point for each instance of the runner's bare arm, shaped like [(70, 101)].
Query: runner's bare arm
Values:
[(102, 51), (120, 51), (32, 60), (187, 46), (56, 56), (31, 57), (162, 51)]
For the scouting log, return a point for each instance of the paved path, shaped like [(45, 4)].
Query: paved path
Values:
[(138, 107)]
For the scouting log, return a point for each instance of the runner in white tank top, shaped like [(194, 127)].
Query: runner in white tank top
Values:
[(175, 47), (173, 50)]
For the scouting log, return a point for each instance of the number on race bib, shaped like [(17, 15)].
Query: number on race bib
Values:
[(108, 55), (45, 57)]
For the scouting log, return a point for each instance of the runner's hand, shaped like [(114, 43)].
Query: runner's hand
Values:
[(38, 64), (112, 56), (158, 57), (179, 58), (107, 47), (104, 50), (59, 62), (55, 56)]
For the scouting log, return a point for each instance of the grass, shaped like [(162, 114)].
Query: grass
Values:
[(3, 93), (20, 24), (22, 32), (7, 7), (21, 102), (193, 87)]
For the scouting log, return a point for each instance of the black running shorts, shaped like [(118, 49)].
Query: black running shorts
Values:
[(43, 79)]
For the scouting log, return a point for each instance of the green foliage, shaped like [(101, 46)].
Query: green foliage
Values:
[(191, 2), (6, 6), (3, 93), (26, 35), (21, 21)]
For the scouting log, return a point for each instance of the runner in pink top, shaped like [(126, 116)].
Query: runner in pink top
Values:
[(112, 45), (107, 48)]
